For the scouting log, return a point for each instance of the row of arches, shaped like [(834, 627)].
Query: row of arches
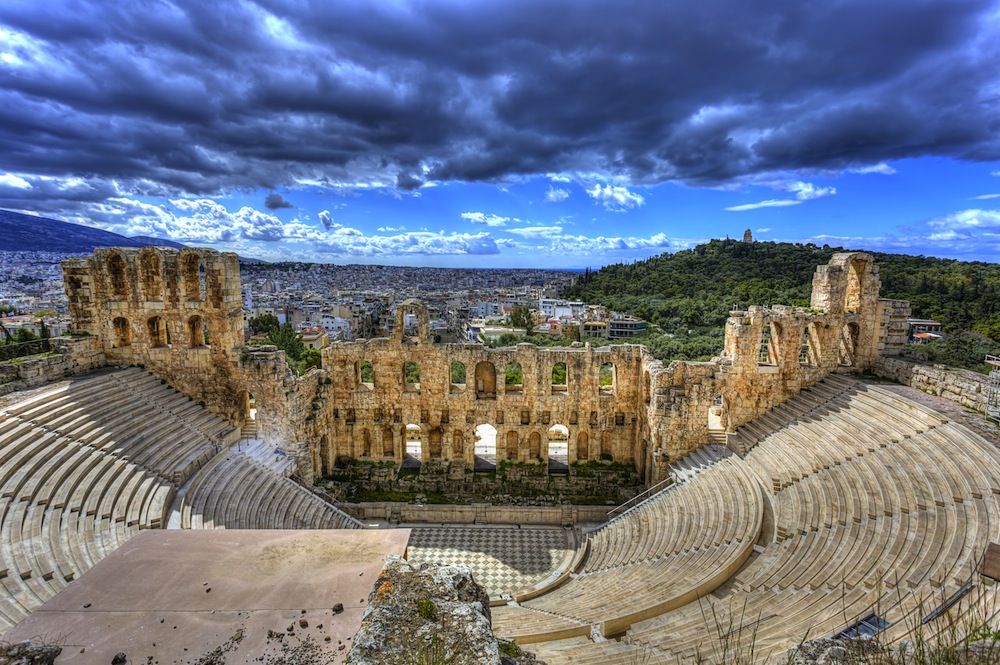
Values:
[(437, 443), (150, 276), (158, 332), (484, 378), (772, 337)]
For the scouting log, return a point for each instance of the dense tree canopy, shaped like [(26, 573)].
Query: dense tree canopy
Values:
[(688, 295)]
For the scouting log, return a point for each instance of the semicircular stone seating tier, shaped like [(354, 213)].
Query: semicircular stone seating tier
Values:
[(663, 553), (88, 462), (880, 506), (237, 491)]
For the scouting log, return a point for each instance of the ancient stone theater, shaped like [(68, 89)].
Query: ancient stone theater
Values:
[(800, 484)]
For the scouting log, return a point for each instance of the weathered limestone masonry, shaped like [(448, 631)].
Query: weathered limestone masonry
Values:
[(72, 356), (369, 419), (179, 314), (772, 353), (958, 385)]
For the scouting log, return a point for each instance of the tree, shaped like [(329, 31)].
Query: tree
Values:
[(520, 317), (312, 358), (263, 324), (24, 335), (285, 338)]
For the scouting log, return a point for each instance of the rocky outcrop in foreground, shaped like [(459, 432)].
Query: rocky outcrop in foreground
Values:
[(430, 613)]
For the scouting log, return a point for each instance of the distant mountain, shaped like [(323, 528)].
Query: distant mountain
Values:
[(28, 233), (157, 242)]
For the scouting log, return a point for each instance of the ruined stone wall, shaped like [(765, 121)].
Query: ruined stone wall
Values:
[(961, 386), (370, 419), (178, 313), (772, 353), (72, 356)]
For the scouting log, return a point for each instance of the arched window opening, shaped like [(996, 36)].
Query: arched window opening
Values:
[(853, 293), (414, 449), (119, 280), (457, 377), (366, 374), (606, 379), (157, 332), (807, 353), (583, 446), (411, 377), (434, 443), (193, 277), (388, 449), (149, 276), (513, 378), (849, 344), (512, 446), (535, 445), (485, 448), (767, 349), (607, 450), (197, 332), (486, 380), (122, 332), (559, 383)]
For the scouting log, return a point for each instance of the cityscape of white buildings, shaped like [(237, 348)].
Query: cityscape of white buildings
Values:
[(326, 303)]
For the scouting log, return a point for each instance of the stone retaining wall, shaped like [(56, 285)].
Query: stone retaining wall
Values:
[(73, 355), (477, 513), (958, 385)]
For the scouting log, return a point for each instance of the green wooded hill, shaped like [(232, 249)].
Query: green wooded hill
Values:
[(688, 295)]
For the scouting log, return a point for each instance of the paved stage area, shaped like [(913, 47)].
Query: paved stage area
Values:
[(503, 559), (217, 596)]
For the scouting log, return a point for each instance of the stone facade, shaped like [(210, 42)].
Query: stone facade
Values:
[(178, 313)]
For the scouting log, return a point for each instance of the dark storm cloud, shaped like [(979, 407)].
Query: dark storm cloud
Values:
[(201, 98), (275, 201)]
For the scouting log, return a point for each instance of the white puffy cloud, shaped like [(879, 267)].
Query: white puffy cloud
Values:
[(327, 220), (484, 218), (615, 197), (803, 191), (11, 180), (390, 229), (968, 219), (881, 168), (769, 203), (555, 195), (537, 231)]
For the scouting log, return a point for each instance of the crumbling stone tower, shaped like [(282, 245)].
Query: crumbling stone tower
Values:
[(178, 313)]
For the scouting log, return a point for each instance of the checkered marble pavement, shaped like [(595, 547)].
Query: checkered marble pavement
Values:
[(503, 559)]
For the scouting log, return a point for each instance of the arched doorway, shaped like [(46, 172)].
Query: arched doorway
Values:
[(485, 448), (413, 456), (558, 453)]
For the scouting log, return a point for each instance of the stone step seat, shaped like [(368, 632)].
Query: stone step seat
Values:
[(234, 491), (709, 509), (596, 597), (805, 404), (918, 512), (825, 606), (517, 623), (77, 389), (978, 464), (611, 652)]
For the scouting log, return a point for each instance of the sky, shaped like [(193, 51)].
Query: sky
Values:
[(506, 133)]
